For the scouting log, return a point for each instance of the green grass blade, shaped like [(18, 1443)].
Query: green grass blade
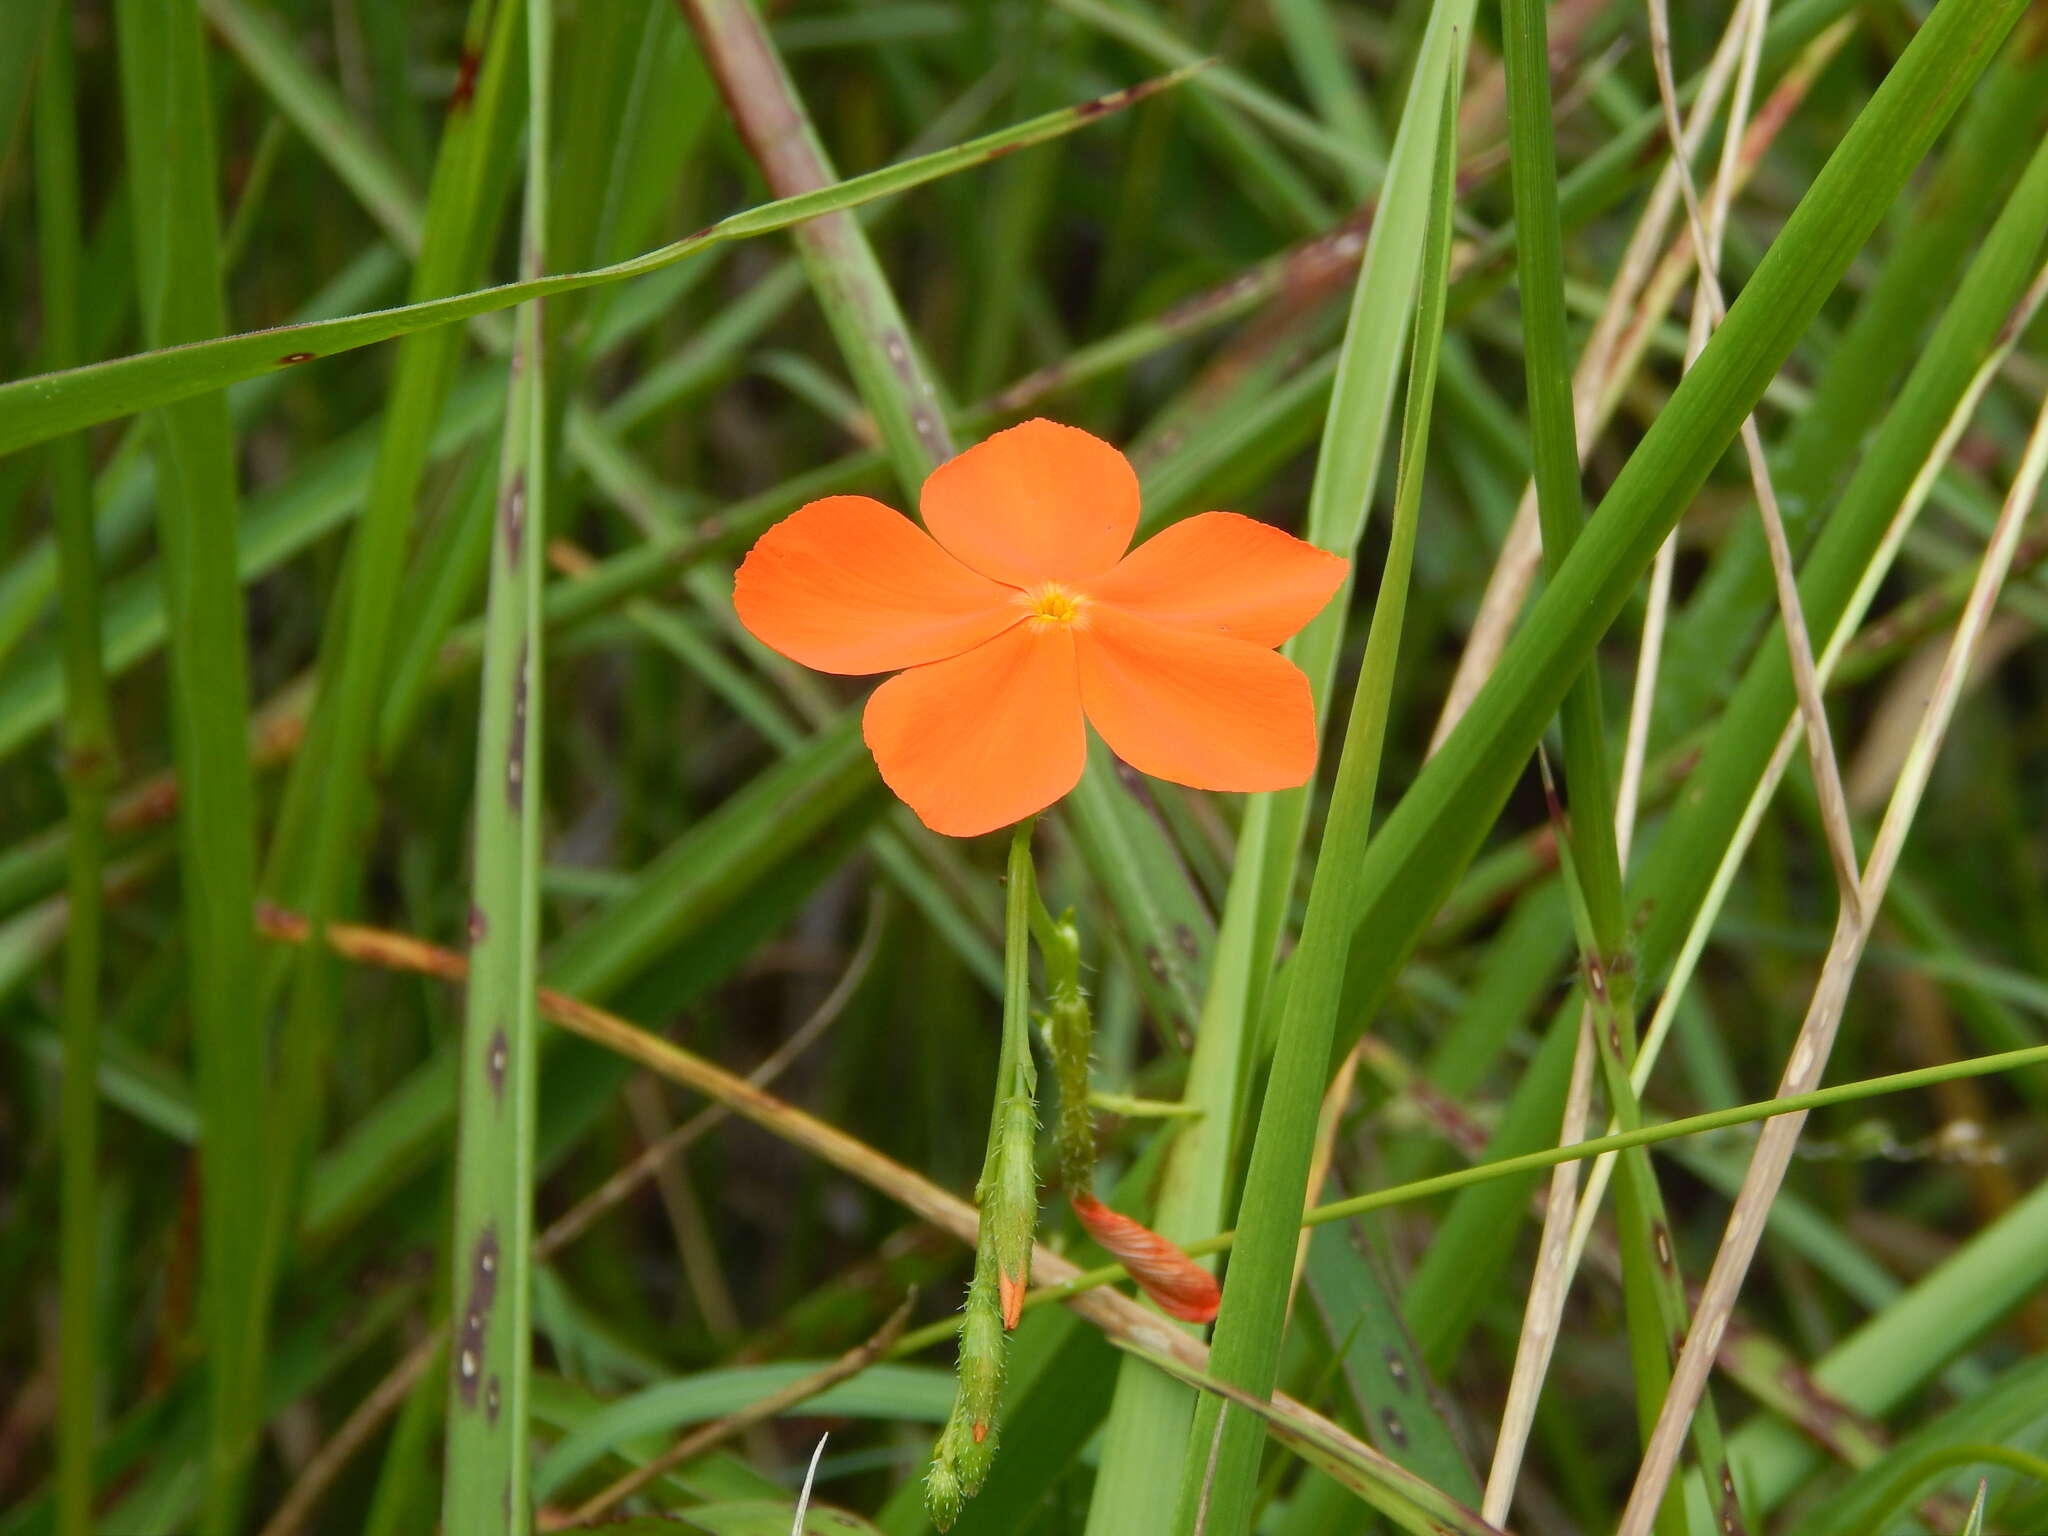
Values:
[(318, 112), (1147, 1426), (1348, 462), (1653, 1290), (319, 837), (89, 770), (488, 1470), (167, 115), (34, 409), (1219, 1480), (1147, 1431), (1393, 1390), (1554, 452)]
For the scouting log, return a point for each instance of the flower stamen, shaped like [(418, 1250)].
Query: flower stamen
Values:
[(1054, 604)]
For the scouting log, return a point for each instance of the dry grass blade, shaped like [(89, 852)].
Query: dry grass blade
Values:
[(1117, 1315), (385, 1399), (1817, 1032), (1781, 755), (1820, 750), (1635, 302), (1548, 1287), (1706, 247)]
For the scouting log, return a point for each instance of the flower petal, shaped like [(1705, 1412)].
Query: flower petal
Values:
[(1230, 574), (1193, 707), (986, 738), (849, 585), (1039, 502)]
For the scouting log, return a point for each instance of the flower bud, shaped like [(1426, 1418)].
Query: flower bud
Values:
[(1009, 1201), (967, 1445)]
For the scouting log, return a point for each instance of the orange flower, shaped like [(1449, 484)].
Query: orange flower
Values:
[(1019, 614)]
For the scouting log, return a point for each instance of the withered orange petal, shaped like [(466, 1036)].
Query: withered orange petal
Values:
[(1233, 575), (984, 738), (1038, 502), (1180, 1286), (849, 585), (1195, 707)]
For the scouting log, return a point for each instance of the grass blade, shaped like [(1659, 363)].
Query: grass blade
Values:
[(1654, 1292), (89, 770), (167, 115), (320, 838), (1219, 1480), (34, 409), (1387, 1486), (1203, 1167), (1347, 473), (488, 1467)]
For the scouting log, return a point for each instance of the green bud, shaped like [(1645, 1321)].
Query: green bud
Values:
[(1069, 1029), (943, 1495), (1009, 1207), (966, 1447)]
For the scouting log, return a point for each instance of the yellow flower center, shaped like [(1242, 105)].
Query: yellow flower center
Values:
[(1054, 604)]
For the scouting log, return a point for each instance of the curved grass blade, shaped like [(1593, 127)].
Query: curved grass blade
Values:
[(34, 409)]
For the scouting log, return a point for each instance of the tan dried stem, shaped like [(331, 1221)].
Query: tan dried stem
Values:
[(1330, 1120), (386, 1397), (1117, 1315), (1548, 1287), (1820, 750), (1637, 301), (1839, 641), (1775, 1143)]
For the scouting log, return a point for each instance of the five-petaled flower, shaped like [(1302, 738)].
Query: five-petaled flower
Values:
[(1019, 613)]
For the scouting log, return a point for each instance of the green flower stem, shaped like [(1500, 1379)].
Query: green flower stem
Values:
[(1008, 1196)]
